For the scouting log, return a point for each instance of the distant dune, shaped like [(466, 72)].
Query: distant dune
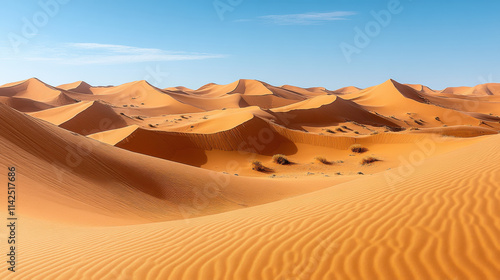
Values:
[(253, 181)]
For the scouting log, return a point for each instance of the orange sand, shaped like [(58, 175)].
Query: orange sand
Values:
[(137, 182)]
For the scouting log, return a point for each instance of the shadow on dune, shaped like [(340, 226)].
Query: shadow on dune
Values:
[(255, 136)]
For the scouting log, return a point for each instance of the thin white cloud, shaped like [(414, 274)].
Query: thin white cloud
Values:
[(94, 53), (307, 18)]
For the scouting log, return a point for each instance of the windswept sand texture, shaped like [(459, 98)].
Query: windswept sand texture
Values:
[(137, 182)]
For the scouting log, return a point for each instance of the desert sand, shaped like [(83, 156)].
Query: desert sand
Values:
[(138, 182)]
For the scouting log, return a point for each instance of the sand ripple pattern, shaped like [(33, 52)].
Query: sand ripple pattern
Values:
[(439, 223)]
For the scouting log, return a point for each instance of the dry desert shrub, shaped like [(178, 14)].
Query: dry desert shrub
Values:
[(369, 160), (257, 166), (322, 160), (357, 148), (281, 159), (419, 122)]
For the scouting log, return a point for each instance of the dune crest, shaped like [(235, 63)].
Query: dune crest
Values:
[(33, 95), (79, 87)]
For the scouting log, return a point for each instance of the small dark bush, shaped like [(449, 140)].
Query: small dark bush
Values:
[(322, 160), (357, 148), (280, 159), (368, 160), (257, 166)]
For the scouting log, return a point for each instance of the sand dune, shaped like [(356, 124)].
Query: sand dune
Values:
[(65, 157), (215, 90), (84, 118), (346, 90), (408, 106), (79, 87), (267, 101), (460, 131), (30, 89), (137, 182), (138, 94), (309, 92), (189, 148), (479, 90), (253, 93), (388, 93), (314, 91), (422, 88), (24, 105), (252, 87), (32, 95), (329, 110), (467, 105), (179, 89), (209, 104), (246, 88), (220, 120)]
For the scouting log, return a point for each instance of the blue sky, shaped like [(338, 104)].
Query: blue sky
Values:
[(330, 43)]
